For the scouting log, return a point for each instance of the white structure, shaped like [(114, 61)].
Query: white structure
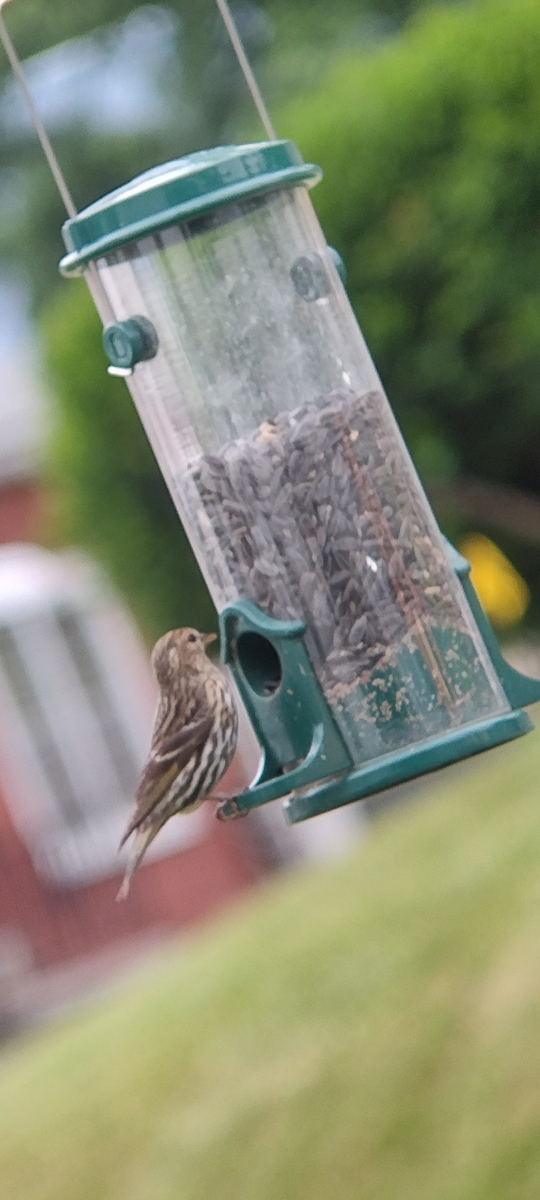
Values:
[(24, 404), (77, 703)]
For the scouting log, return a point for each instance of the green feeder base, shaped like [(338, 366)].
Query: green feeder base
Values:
[(305, 759), (406, 764)]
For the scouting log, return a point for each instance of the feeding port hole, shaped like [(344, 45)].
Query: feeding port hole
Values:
[(259, 663)]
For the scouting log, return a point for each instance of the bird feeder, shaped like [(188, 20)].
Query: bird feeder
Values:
[(351, 627)]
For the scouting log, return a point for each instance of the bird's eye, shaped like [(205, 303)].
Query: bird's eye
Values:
[(192, 637)]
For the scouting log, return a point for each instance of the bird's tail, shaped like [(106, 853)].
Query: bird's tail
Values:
[(140, 845)]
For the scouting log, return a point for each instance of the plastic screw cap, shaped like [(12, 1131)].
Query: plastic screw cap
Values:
[(310, 277), (129, 342)]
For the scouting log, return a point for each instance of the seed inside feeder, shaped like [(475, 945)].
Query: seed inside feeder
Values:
[(316, 520)]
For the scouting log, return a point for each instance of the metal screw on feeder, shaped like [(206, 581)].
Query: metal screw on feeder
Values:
[(354, 634)]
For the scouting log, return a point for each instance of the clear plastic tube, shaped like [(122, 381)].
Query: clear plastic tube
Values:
[(283, 457)]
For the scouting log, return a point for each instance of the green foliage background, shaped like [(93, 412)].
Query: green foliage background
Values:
[(430, 145), (431, 152)]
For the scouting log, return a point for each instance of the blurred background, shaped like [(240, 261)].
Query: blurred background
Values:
[(426, 120)]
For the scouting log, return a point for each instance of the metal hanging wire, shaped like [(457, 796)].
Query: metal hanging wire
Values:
[(95, 285), (99, 295), (36, 119), (249, 77)]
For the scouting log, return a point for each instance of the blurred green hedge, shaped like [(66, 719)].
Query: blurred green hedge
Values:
[(431, 153)]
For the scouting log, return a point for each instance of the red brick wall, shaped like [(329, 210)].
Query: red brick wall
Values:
[(65, 923), (20, 511)]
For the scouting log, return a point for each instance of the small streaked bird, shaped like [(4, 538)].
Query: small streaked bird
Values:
[(193, 743)]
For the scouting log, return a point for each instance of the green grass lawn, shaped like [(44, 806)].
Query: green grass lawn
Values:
[(369, 1031)]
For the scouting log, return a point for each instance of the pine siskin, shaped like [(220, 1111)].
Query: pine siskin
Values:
[(193, 742)]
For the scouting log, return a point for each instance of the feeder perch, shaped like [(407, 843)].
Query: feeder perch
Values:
[(351, 627)]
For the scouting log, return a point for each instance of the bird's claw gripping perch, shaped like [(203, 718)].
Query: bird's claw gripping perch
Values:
[(228, 810)]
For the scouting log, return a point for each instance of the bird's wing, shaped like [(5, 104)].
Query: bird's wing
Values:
[(183, 737), (167, 758)]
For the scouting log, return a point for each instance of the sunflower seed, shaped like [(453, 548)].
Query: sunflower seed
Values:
[(318, 515)]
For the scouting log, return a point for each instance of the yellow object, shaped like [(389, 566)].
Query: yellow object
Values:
[(503, 594)]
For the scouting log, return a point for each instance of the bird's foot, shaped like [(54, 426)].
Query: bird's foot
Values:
[(228, 809)]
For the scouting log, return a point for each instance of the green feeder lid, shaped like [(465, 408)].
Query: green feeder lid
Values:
[(180, 190)]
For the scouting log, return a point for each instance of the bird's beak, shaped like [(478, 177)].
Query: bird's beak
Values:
[(208, 638)]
